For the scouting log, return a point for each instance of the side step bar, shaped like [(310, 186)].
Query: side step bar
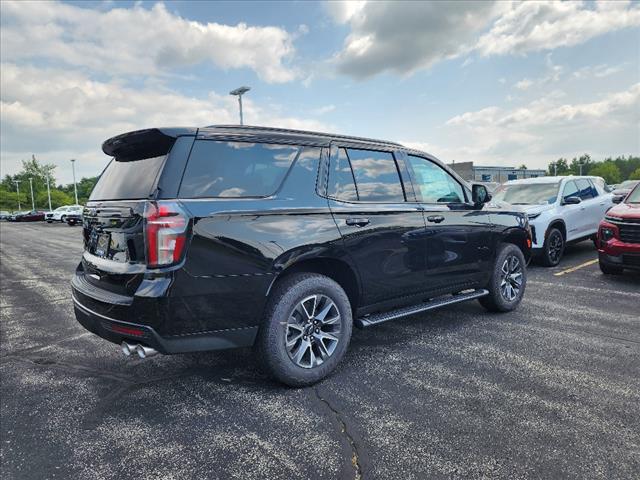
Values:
[(375, 319)]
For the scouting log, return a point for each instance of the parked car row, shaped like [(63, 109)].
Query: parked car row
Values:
[(619, 235), (70, 214)]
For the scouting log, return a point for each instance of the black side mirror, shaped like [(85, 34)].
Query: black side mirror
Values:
[(617, 198), (479, 194), (571, 201)]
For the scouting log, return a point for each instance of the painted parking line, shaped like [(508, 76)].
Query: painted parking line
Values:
[(578, 267)]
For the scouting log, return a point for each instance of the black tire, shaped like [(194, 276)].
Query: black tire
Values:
[(63, 218), (498, 299), (283, 309), (49, 221), (553, 248), (609, 269)]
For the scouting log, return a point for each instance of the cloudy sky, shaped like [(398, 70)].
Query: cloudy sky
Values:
[(496, 83)]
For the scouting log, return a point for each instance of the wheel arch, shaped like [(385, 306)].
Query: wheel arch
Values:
[(560, 225), (517, 237), (338, 270)]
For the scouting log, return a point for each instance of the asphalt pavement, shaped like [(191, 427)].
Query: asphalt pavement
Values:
[(549, 391)]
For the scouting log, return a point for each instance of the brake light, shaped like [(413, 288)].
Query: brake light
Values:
[(165, 233)]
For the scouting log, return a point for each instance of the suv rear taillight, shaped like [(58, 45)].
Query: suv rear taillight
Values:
[(165, 233)]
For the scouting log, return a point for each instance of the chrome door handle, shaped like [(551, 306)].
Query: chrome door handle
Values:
[(357, 222), (435, 218)]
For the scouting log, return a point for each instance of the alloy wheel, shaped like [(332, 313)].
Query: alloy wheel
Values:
[(313, 331), (511, 278), (555, 247)]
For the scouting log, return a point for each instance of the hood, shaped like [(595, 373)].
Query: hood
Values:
[(625, 210), (528, 209)]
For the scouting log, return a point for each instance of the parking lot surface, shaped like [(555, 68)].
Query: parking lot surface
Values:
[(551, 390)]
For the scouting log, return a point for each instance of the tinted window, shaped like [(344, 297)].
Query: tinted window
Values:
[(584, 189), (341, 184), (570, 190), (235, 169), (433, 184), (376, 174), (127, 180)]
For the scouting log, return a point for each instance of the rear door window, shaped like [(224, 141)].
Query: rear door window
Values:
[(376, 176), (134, 179), (433, 183), (235, 169)]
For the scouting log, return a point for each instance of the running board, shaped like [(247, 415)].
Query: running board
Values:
[(375, 319)]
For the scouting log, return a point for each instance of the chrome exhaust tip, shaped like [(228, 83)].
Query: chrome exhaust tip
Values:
[(145, 352), (128, 348)]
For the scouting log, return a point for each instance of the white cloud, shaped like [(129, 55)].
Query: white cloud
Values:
[(535, 26), (59, 114), (523, 84), (403, 37), (140, 41), (406, 36), (544, 130), (323, 110)]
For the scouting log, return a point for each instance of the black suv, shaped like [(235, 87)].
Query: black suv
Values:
[(231, 236)]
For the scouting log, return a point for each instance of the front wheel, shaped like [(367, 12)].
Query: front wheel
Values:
[(553, 248), (508, 280), (306, 329), (609, 270), (63, 218)]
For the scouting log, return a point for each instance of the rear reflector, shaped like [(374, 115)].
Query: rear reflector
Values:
[(134, 332), (165, 233)]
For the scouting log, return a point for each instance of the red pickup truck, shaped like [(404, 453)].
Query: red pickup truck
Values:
[(619, 236)]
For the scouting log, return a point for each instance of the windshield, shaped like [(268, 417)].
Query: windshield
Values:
[(634, 196), (527, 193), (628, 184)]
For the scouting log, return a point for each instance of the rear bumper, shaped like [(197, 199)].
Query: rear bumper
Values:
[(116, 331), (97, 309)]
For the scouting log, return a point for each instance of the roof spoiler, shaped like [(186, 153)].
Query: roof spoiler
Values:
[(141, 144)]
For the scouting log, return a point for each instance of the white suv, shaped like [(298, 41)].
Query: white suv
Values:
[(560, 210), (60, 213)]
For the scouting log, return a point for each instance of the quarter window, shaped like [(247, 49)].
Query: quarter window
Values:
[(341, 183), (433, 183), (236, 169)]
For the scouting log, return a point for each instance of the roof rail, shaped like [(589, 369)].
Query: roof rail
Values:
[(304, 132)]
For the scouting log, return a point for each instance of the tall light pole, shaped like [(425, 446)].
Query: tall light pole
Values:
[(239, 92), (17, 182), (75, 187), (49, 192), (33, 202)]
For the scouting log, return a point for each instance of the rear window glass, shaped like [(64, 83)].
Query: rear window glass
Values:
[(236, 169), (128, 180), (341, 183)]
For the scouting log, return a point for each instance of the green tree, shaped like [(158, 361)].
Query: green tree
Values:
[(522, 167), (635, 175), (607, 170), (9, 200), (585, 161), (58, 199), (559, 167)]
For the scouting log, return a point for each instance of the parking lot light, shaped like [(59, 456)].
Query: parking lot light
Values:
[(33, 202), (48, 192), (17, 182), (239, 92), (75, 187)]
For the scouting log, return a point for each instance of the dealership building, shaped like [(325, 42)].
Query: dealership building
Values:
[(481, 173)]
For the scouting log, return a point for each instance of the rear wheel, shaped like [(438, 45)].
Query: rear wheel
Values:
[(306, 329), (553, 248), (508, 280)]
